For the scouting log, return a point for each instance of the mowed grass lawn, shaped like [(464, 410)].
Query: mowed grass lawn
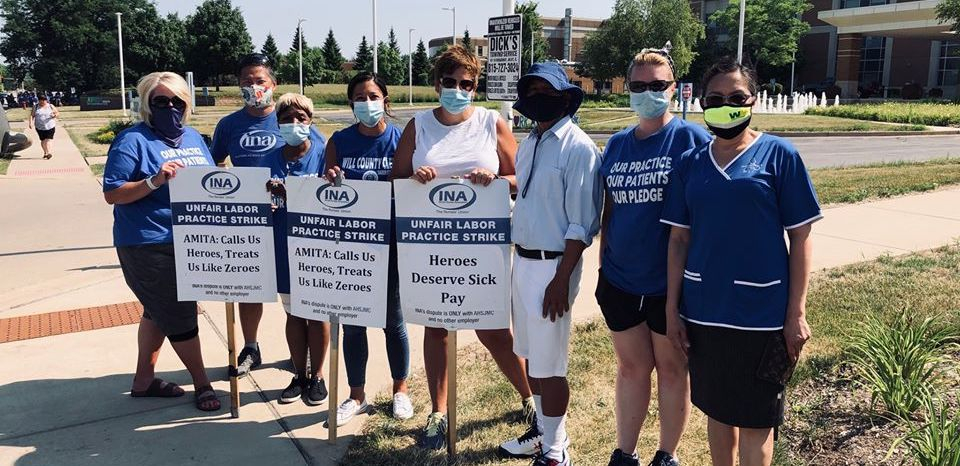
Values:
[(860, 183), (926, 284), (615, 120)]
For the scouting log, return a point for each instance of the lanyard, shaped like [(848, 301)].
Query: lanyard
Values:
[(533, 165)]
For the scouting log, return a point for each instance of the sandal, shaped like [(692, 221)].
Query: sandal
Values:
[(204, 396), (159, 389)]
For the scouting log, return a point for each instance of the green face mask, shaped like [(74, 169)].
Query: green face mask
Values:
[(727, 122)]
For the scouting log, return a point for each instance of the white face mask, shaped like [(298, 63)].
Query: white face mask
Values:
[(368, 112)]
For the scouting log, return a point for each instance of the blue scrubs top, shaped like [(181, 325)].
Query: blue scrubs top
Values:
[(736, 274), (311, 164), (364, 157), (635, 174), (245, 138)]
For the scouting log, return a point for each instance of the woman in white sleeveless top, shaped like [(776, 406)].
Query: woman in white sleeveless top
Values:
[(458, 139), (44, 118)]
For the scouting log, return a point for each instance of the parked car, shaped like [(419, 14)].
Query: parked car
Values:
[(11, 141), (3, 100)]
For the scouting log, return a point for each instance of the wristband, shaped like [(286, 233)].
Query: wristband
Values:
[(150, 184)]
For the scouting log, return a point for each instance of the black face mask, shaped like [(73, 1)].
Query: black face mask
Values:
[(542, 107), (729, 133)]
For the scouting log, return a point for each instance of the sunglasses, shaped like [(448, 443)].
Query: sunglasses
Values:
[(162, 101), (738, 99), (464, 84), (655, 86), (254, 59)]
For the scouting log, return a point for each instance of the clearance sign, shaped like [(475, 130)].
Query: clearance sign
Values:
[(503, 61)]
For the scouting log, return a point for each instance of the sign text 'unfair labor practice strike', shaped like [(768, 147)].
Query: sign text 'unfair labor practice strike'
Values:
[(223, 235), (339, 250), (453, 244)]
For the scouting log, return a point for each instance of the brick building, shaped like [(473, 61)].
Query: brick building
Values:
[(877, 46)]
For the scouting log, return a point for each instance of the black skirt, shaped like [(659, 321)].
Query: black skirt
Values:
[(729, 377)]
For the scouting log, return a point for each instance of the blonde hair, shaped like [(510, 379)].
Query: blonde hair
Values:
[(454, 57), (172, 81), (294, 100), (652, 59)]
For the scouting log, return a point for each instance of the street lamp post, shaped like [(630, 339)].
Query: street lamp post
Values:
[(410, 65), (743, 10), (453, 37), (300, 50), (376, 47), (123, 86)]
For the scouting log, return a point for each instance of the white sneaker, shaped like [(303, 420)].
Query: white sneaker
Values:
[(524, 446), (402, 407), (348, 409)]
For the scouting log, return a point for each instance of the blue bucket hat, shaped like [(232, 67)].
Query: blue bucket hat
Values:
[(554, 74)]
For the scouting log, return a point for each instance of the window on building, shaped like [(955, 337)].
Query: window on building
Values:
[(871, 62), (479, 51), (860, 3), (949, 73)]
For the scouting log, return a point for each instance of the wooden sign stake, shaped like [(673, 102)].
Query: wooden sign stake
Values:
[(232, 361), (451, 393), (332, 403)]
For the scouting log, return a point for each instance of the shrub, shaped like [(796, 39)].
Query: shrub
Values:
[(927, 113), (936, 442), (899, 362), (911, 91), (106, 133), (935, 93), (105, 137), (773, 89)]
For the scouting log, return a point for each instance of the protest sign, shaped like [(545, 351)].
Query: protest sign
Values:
[(503, 57), (453, 244), (222, 235), (339, 242)]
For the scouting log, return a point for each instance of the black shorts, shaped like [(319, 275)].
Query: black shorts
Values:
[(623, 311), (151, 274), (724, 383), (46, 133)]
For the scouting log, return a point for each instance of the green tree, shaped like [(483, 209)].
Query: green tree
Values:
[(531, 25), (297, 38), (392, 41), (271, 51), (637, 24), (772, 29), (391, 65), (363, 61), (421, 65), (948, 11), (465, 41), (314, 69), (218, 39), (331, 53)]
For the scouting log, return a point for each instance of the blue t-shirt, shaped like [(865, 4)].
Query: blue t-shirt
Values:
[(311, 164), (364, 157), (245, 138), (136, 154), (635, 174), (737, 272)]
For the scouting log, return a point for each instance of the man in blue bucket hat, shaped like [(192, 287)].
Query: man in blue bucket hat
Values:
[(556, 216)]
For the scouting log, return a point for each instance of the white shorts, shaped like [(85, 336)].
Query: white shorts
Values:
[(543, 343), (285, 301)]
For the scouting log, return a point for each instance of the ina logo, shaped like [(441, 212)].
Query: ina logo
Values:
[(370, 175), (258, 141), (337, 197), (453, 196), (220, 183)]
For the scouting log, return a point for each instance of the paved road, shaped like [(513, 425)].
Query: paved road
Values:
[(816, 151)]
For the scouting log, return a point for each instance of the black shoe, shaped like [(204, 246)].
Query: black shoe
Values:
[(663, 458), (619, 458), (249, 359), (294, 391), (316, 392)]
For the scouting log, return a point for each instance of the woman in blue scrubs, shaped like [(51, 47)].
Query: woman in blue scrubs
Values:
[(742, 318)]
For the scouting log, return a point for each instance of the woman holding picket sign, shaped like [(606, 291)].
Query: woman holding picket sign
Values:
[(364, 151), (458, 139), (140, 163), (302, 155)]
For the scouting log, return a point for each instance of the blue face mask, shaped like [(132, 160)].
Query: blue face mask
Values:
[(167, 122), (649, 104), (455, 101), (368, 112), (294, 133)]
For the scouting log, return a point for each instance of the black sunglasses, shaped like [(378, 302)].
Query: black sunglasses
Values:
[(254, 59), (465, 84), (162, 101), (655, 86), (714, 100)]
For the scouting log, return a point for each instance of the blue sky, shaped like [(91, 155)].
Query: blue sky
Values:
[(351, 19)]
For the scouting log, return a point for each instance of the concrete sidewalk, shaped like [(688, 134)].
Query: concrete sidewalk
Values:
[(63, 399)]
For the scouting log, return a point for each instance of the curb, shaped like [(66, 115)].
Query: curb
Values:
[(812, 134)]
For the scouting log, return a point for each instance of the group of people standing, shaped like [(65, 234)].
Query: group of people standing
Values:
[(696, 281)]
